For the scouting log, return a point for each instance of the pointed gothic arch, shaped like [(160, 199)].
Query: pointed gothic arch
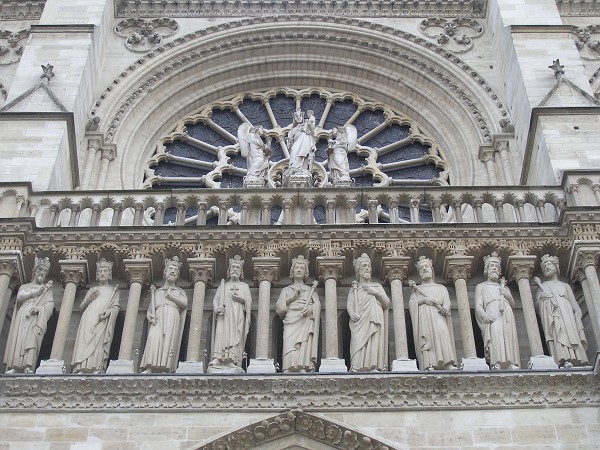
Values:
[(295, 430)]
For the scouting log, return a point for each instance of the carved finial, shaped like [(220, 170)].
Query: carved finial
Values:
[(557, 68), (47, 73)]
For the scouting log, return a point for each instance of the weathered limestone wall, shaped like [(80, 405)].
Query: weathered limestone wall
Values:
[(567, 428)]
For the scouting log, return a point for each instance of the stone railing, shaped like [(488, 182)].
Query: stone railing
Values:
[(315, 206)]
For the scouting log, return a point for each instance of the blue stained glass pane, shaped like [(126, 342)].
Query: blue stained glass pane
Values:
[(321, 153), (236, 208), (275, 213), (283, 108), (276, 152), (404, 212), (355, 160), (192, 211), (425, 172), (367, 121), (212, 221), (256, 113), (237, 161), (184, 150), (392, 134), (425, 215), (339, 114), (172, 170), (170, 215), (320, 214), (411, 151), (206, 134), (365, 180), (314, 103), (231, 181), (226, 119)]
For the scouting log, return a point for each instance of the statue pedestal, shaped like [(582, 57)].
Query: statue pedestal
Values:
[(404, 365), (120, 367), (343, 183), (190, 367), (300, 180), (474, 364), (542, 362), (333, 365), (262, 365), (224, 369), (51, 367), (253, 183)]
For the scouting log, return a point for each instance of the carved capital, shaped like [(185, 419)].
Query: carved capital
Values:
[(74, 271), (586, 258), (109, 152), (394, 268), (458, 267), (202, 269), (520, 266), (330, 267), (265, 269), (138, 270), (11, 266), (486, 152), (501, 145)]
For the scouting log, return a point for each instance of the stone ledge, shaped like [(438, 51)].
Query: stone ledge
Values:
[(277, 392)]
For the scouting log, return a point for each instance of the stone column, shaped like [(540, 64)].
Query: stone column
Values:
[(201, 273), (487, 157), (520, 268), (266, 270), (457, 269), (94, 144), (394, 270), (108, 155), (585, 270), (331, 270), (502, 146), (10, 268), (73, 273), (139, 273)]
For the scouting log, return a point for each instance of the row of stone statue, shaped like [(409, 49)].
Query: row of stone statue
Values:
[(301, 141), (300, 308)]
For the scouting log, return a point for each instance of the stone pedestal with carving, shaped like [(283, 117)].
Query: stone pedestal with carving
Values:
[(51, 367), (120, 367)]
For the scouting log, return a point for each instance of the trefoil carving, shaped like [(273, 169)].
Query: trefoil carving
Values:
[(455, 35), (143, 35)]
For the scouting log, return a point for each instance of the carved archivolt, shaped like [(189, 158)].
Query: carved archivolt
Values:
[(311, 426), (203, 150)]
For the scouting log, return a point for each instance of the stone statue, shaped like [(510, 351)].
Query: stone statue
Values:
[(30, 321), (429, 307), (367, 306), (256, 152), (166, 317), (494, 312), (99, 309), (301, 142), (299, 307), (561, 317), (231, 320), (343, 140)]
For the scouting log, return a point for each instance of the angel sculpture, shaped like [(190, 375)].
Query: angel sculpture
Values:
[(343, 140), (256, 153)]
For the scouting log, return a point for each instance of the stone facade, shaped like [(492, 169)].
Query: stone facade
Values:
[(470, 128)]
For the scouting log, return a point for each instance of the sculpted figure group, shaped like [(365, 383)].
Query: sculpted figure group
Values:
[(300, 309), (300, 142)]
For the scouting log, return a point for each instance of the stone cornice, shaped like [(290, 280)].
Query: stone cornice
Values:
[(350, 392), (364, 8)]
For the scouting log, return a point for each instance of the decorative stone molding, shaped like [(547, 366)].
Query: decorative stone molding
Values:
[(587, 41), (74, 271), (21, 9), (225, 8), (395, 268), (308, 425), (330, 267), (329, 34), (201, 269), (143, 35), (521, 267), (578, 7), (12, 45), (138, 270), (315, 392), (265, 269), (458, 267), (455, 35)]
